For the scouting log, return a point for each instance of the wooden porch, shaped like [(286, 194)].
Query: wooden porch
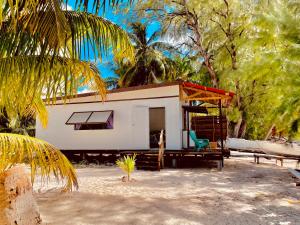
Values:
[(147, 159)]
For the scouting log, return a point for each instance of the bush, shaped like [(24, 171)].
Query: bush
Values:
[(127, 164)]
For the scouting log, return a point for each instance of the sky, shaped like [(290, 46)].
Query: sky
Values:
[(122, 19)]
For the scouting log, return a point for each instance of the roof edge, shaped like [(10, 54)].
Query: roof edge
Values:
[(134, 88)]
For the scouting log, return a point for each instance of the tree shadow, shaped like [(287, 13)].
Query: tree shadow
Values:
[(243, 193)]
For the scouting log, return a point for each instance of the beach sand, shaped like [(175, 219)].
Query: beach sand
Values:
[(243, 193)]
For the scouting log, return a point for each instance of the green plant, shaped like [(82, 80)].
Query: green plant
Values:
[(43, 158), (127, 164), (43, 52)]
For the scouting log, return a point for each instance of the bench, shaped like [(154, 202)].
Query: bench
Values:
[(276, 157), (296, 174)]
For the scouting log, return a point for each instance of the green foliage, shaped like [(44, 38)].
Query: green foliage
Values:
[(254, 49), (43, 158), (152, 63), (18, 125), (42, 48), (127, 164)]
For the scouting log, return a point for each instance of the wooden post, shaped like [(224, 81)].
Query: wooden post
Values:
[(221, 124), (184, 126), (184, 119), (161, 151), (188, 129)]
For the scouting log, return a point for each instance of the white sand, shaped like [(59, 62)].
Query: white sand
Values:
[(243, 193)]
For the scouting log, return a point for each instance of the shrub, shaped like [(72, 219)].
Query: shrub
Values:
[(127, 164)]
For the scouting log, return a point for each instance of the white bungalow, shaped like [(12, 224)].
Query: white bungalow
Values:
[(129, 118)]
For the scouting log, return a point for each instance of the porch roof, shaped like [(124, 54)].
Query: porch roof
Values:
[(196, 92)]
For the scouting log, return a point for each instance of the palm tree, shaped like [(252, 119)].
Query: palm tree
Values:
[(19, 125), (151, 65), (42, 48)]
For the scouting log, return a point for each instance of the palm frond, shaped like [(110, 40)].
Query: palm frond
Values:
[(155, 35), (16, 9), (99, 4), (164, 46), (49, 30), (127, 164), (37, 109), (98, 32), (139, 30), (44, 159), (111, 82), (25, 78)]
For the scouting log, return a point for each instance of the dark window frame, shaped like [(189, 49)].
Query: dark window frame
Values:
[(93, 125)]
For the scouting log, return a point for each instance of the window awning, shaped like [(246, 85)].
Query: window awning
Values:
[(91, 117)]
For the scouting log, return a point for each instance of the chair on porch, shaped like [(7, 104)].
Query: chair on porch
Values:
[(199, 143)]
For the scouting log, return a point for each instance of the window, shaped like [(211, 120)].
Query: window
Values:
[(92, 120)]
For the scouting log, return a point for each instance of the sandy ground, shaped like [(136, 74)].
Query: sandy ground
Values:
[(243, 193)]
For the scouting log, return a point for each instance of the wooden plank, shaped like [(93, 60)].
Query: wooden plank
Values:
[(266, 156), (295, 173), (207, 93), (269, 156), (207, 124)]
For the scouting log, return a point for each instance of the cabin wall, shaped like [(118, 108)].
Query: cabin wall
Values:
[(160, 92), (130, 125)]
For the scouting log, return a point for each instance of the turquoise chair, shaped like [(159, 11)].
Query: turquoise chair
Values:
[(199, 143)]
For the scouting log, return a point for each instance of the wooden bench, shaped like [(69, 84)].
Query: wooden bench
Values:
[(295, 174), (269, 157)]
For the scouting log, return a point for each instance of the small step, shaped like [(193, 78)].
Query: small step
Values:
[(146, 167), (146, 162), (147, 157)]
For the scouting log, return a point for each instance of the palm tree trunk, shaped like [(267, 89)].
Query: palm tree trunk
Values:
[(17, 204)]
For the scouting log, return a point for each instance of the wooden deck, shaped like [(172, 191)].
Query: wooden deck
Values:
[(172, 158)]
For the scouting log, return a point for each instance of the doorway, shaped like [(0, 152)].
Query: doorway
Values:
[(157, 122)]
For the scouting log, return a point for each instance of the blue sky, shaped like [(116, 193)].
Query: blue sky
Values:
[(122, 19)]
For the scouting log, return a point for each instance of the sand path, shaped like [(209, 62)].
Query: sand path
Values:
[(243, 193)]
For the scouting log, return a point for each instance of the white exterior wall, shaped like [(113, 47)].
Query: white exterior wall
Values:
[(130, 125)]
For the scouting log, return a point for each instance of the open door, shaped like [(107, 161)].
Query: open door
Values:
[(157, 122), (140, 127)]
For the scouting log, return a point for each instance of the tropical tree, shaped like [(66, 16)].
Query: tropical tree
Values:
[(180, 68), (282, 19), (151, 65), (243, 47), (42, 52), (19, 125)]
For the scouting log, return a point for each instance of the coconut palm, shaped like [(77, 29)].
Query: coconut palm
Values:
[(19, 125), (151, 65), (127, 164), (42, 52)]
